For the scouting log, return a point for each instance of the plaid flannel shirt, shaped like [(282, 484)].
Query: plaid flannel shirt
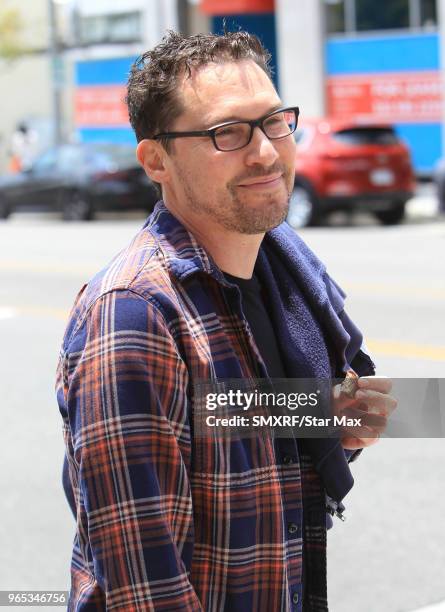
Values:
[(166, 521)]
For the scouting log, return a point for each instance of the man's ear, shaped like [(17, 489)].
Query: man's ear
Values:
[(151, 156)]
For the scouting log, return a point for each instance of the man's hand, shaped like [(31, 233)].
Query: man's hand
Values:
[(372, 404)]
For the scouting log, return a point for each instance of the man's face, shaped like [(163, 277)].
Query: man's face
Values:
[(245, 190)]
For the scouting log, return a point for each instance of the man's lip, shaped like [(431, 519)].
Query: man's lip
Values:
[(262, 180)]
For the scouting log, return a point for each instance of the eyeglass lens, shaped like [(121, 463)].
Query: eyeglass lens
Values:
[(236, 136)]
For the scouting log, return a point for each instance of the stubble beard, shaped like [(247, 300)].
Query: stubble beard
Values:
[(228, 210)]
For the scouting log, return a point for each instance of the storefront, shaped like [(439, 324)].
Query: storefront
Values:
[(100, 112), (384, 66)]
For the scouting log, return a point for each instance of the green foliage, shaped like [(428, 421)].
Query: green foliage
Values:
[(10, 31)]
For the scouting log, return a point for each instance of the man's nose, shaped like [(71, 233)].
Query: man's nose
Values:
[(261, 149)]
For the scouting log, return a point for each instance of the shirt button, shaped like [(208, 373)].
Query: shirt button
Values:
[(295, 598), (292, 528), (288, 459)]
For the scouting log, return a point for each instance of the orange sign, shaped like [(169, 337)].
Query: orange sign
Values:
[(391, 97), (100, 105), (236, 7)]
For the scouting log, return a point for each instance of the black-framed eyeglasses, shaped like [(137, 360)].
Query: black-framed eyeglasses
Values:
[(234, 135)]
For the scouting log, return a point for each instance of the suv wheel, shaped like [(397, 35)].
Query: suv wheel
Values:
[(77, 208), (393, 215), (302, 208)]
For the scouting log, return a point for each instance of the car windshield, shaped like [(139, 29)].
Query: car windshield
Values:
[(106, 156), (366, 136)]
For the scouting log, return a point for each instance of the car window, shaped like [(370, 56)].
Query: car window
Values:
[(125, 157), (366, 135), (111, 157), (46, 162), (69, 158)]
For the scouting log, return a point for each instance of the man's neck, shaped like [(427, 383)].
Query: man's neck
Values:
[(232, 252)]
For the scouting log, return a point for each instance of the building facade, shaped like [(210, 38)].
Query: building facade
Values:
[(341, 58), (376, 65)]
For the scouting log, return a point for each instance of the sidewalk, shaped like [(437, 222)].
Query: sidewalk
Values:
[(438, 607)]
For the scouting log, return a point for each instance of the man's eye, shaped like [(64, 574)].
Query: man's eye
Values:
[(227, 131), (276, 119)]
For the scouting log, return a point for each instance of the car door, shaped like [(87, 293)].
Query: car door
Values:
[(38, 186)]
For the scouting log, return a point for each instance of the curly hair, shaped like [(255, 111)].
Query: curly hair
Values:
[(152, 100)]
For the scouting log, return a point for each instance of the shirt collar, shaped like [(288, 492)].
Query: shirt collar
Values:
[(183, 255)]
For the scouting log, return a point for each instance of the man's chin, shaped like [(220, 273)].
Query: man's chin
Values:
[(259, 222)]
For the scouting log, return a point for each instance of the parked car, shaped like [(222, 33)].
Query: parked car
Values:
[(345, 165), (78, 180), (439, 180)]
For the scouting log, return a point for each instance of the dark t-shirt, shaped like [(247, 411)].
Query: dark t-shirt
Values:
[(260, 323), (252, 301)]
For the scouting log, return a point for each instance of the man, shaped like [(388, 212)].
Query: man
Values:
[(207, 290)]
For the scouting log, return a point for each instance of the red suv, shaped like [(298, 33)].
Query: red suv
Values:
[(349, 166)]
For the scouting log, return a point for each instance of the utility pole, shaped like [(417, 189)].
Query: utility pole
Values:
[(56, 71), (300, 40)]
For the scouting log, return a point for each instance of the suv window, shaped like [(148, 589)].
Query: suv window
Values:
[(300, 135), (304, 136), (366, 135)]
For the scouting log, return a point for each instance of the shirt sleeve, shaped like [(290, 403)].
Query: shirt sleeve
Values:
[(123, 396)]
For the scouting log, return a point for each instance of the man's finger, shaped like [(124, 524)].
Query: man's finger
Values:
[(377, 383), (367, 419), (374, 399), (354, 442)]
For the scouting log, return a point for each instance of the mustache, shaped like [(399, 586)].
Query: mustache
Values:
[(260, 171)]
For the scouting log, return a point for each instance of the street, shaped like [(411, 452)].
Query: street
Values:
[(389, 555)]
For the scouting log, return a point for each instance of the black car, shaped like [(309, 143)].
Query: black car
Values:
[(78, 180), (439, 180)]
